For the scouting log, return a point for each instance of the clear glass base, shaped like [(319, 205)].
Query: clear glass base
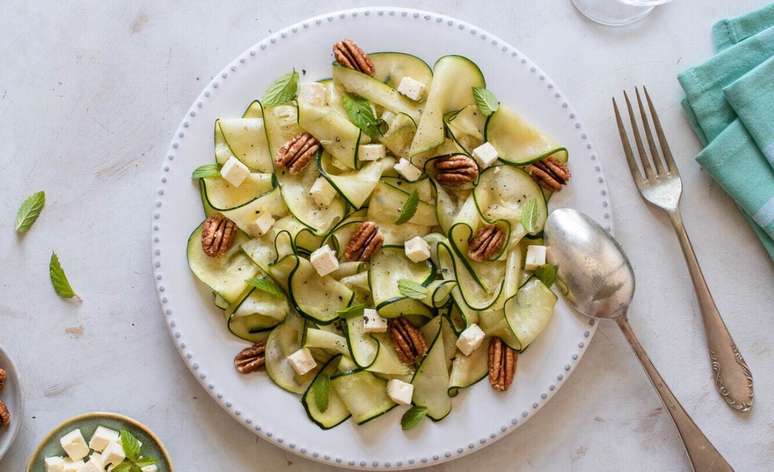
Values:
[(611, 12)]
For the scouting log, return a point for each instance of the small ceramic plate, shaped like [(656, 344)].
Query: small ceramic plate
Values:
[(12, 396), (49, 446)]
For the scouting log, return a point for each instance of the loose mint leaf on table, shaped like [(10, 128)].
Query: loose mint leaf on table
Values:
[(59, 280), (321, 390), (409, 288), (409, 208), (485, 100), (207, 170), (529, 214), (29, 211), (362, 115), (349, 312), (266, 285), (412, 417), (131, 445), (546, 274), (282, 91)]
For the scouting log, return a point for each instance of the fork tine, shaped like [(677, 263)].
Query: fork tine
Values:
[(670, 161), (640, 148), (649, 135), (627, 148)]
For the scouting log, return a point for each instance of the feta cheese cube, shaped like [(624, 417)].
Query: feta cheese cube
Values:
[(102, 437), (371, 152), (322, 192), (55, 464), (400, 392), (73, 466), (411, 88), (485, 155), (74, 445), (407, 170), (470, 339), (372, 322), (417, 249), (324, 261), (302, 361), (234, 172), (312, 93), (149, 468), (94, 464), (536, 257), (113, 454), (261, 225)]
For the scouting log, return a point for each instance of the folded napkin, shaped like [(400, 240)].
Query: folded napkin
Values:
[(729, 102)]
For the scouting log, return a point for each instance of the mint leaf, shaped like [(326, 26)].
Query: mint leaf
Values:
[(29, 211), (409, 208), (546, 274), (59, 279), (529, 215), (145, 461), (412, 417), (207, 170), (282, 90), (266, 285), (321, 391), (131, 445), (352, 311), (361, 115), (485, 100), (409, 288)]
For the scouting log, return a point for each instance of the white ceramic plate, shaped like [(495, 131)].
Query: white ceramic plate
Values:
[(479, 416)]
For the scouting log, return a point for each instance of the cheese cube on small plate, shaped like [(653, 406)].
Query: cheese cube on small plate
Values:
[(407, 170), (94, 464), (470, 339), (102, 437), (261, 225), (417, 249), (400, 392), (55, 464), (113, 454), (73, 466), (371, 152), (536, 257), (411, 88), (312, 93), (485, 155), (373, 322), (234, 172), (324, 260), (302, 361), (322, 192), (74, 445)]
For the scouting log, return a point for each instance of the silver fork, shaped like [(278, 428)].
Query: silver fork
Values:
[(660, 185)]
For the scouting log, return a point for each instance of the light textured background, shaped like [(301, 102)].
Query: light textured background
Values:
[(90, 93)]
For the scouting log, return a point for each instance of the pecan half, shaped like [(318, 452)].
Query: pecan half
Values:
[(410, 345), (297, 153), (5, 415), (218, 235), (502, 364), (3, 377), (455, 170), (364, 243), (550, 173), (349, 54), (250, 359), (486, 243)]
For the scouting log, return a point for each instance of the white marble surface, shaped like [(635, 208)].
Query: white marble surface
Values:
[(90, 93)]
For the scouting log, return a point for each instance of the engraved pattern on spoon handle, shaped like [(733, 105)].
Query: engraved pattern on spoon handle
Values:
[(703, 455), (733, 378)]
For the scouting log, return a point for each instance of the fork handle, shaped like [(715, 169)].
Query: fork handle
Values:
[(733, 378), (702, 454)]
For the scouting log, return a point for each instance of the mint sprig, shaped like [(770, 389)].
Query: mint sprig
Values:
[(546, 274), (485, 100), (529, 215), (409, 208), (29, 211), (266, 285), (412, 417), (351, 311), (282, 90), (361, 114), (321, 391), (206, 170), (409, 288)]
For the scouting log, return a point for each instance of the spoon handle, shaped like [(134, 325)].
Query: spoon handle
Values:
[(703, 455), (733, 378)]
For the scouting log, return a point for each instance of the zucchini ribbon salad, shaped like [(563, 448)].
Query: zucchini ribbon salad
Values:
[(376, 236)]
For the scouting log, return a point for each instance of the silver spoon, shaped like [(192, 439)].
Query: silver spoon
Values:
[(600, 284)]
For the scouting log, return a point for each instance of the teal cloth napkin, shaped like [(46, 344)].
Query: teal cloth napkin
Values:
[(730, 104)]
